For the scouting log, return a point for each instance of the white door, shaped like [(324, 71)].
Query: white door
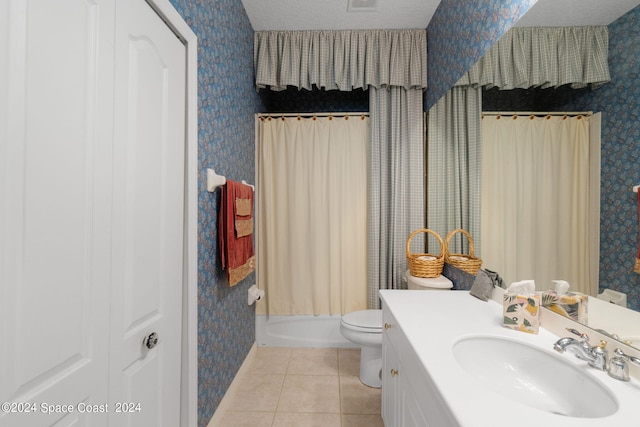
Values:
[(55, 208), (91, 213), (147, 275)]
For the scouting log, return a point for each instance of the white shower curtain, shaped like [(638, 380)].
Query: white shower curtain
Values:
[(312, 214), (537, 193)]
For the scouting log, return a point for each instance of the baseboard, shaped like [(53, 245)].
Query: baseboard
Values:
[(231, 391)]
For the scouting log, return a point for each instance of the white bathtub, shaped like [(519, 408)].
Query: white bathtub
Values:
[(300, 331)]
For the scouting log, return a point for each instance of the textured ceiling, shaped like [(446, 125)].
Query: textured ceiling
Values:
[(566, 13), (333, 14), (398, 14)]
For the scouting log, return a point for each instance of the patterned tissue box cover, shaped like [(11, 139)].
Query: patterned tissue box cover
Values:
[(521, 312), (572, 304)]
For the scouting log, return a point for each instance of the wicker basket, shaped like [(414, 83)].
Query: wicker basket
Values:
[(425, 265), (469, 263)]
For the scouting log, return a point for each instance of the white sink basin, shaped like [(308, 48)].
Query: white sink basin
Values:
[(534, 377)]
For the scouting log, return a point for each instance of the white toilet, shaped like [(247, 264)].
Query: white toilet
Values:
[(364, 328)]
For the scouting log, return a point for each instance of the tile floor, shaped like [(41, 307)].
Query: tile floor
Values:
[(304, 387)]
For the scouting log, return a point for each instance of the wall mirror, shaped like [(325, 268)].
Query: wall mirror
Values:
[(616, 321)]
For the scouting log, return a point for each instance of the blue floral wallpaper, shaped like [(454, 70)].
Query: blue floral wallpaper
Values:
[(227, 102), (459, 33)]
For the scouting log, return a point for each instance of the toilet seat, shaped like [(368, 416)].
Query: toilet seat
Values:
[(369, 321)]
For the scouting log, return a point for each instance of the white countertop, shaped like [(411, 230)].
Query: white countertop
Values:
[(434, 321)]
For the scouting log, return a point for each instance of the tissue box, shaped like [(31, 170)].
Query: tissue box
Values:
[(521, 312), (572, 304)]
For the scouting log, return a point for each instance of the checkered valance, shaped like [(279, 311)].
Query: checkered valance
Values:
[(544, 57), (343, 60)]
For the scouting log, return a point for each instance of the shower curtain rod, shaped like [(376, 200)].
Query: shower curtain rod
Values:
[(312, 114), (537, 113)]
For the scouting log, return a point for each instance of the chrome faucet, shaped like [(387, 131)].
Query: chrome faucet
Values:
[(596, 356), (618, 366)]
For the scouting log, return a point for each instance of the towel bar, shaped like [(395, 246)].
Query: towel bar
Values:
[(214, 181)]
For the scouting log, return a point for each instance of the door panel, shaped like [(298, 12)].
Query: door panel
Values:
[(91, 213), (55, 200), (148, 216)]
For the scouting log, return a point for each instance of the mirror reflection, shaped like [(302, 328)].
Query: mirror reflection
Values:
[(618, 322), (617, 237)]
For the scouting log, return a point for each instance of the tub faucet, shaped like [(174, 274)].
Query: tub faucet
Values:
[(596, 356)]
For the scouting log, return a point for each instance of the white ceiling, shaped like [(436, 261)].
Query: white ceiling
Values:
[(333, 14), (399, 14), (567, 13)]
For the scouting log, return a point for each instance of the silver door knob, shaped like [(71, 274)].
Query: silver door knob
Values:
[(151, 340)]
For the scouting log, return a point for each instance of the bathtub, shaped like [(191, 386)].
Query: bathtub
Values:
[(300, 331)]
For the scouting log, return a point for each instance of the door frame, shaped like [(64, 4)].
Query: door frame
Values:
[(189, 360)]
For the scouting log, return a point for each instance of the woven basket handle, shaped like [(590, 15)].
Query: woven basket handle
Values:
[(466, 233), (425, 230)]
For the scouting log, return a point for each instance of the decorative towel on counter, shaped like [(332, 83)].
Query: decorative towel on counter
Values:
[(495, 278), (462, 281), (236, 251), (482, 286), (243, 216), (636, 267)]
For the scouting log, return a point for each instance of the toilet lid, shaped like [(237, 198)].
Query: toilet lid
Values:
[(364, 319)]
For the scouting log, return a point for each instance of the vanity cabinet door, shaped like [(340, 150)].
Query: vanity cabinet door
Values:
[(390, 398), (400, 407), (411, 412), (404, 390)]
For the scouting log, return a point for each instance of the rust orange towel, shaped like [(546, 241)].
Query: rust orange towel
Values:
[(244, 217), (236, 252)]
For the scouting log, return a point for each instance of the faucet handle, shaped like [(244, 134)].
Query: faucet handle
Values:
[(635, 360), (578, 333), (618, 366)]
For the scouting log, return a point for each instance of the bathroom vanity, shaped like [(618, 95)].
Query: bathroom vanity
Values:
[(448, 361)]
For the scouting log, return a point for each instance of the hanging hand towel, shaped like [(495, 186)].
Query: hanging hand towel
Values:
[(236, 252), (636, 267), (243, 216)]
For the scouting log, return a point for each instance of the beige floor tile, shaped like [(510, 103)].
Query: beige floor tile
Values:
[(351, 420), (257, 393), (296, 419), (313, 361), (310, 393), (270, 360), (247, 419), (357, 398), (301, 387), (349, 361)]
